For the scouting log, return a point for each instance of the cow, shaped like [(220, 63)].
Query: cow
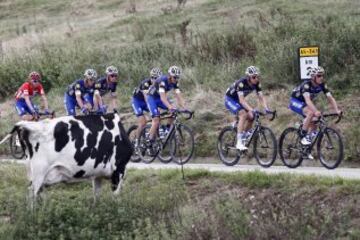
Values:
[(73, 148)]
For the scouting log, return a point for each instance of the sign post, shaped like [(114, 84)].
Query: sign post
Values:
[(308, 58)]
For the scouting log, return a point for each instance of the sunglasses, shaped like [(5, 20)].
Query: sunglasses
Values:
[(113, 75), (254, 77), (35, 81), (320, 75)]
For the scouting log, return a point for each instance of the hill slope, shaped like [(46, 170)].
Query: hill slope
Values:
[(213, 42)]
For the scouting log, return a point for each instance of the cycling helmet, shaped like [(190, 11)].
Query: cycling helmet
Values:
[(35, 76), (252, 70), (111, 70), (90, 74), (174, 71), (155, 72), (319, 70)]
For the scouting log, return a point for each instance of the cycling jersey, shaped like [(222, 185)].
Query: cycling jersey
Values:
[(242, 87), (297, 100), (79, 87), (104, 87), (308, 88), (142, 89), (28, 90), (162, 84), (239, 87), (138, 102)]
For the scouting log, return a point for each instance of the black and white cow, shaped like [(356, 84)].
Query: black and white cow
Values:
[(68, 149)]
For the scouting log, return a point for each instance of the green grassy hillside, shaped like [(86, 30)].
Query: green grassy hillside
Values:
[(212, 41), (160, 205)]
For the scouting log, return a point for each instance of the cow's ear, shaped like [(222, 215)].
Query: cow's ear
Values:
[(115, 110)]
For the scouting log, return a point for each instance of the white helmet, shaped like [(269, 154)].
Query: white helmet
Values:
[(155, 72), (319, 70), (111, 70), (174, 71), (90, 74), (312, 71), (252, 70)]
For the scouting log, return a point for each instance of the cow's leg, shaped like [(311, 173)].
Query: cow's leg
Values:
[(117, 179), (37, 176), (34, 189), (96, 188)]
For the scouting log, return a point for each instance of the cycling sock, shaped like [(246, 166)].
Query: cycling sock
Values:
[(240, 135)]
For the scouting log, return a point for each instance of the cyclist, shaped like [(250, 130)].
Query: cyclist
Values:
[(24, 105), (157, 97), (79, 93), (103, 86), (138, 101), (236, 103), (301, 101)]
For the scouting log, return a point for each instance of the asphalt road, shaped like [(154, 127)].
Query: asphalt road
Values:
[(347, 173)]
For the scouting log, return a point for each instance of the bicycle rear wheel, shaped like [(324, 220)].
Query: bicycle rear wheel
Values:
[(290, 148), (147, 151), (132, 136), (183, 139), (330, 148), (265, 147), (16, 149), (227, 152)]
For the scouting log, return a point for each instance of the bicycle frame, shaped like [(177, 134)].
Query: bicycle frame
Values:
[(257, 125), (321, 125), (173, 127)]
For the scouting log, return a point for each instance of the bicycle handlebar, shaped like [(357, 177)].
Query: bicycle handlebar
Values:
[(273, 114), (339, 116), (190, 113), (40, 114), (325, 115)]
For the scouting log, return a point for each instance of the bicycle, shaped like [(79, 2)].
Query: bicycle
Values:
[(262, 137), (179, 141), (164, 156), (292, 152), (16, 149)]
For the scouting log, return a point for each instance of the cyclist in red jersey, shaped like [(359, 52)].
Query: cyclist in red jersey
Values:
[(24, 105)]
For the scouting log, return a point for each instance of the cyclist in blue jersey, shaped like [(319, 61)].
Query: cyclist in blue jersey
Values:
[(301, 101), (236, 103), (138, 101), (79, 93), (157, 97), (103, 86)]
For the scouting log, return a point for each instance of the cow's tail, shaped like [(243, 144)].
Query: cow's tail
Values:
[(16, 128)]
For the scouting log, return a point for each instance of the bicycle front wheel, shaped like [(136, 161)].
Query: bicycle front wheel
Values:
[(132, 137), (16, 149), (166, 153), (330, 148), (184, 144), (265, 147), (227, 152), (290, 148)]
